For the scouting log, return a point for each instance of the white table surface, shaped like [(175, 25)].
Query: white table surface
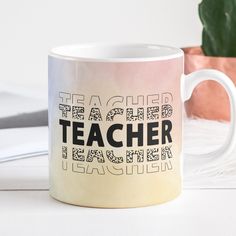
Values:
[(195, 212)]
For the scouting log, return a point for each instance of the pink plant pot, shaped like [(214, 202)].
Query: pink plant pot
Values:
[(209, 100)]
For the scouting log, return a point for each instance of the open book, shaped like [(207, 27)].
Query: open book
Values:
[(19, 112)]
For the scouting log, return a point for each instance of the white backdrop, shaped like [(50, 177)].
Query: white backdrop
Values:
[(29, 28)]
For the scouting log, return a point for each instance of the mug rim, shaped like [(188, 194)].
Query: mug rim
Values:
[(157, 52)]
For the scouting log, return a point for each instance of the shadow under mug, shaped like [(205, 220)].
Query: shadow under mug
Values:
[(115, 123)]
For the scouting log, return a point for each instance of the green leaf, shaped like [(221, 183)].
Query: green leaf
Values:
[(219, 27)]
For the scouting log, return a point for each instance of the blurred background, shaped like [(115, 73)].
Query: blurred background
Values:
[(29, 28)]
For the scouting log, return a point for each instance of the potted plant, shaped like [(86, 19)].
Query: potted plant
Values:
[(218, 51)]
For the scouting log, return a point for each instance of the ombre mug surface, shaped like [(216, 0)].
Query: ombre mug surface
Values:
[(115, 123)]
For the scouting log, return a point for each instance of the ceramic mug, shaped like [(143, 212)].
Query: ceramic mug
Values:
[(115, 123)]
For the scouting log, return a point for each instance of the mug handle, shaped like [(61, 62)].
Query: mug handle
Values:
[(188, 84)]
